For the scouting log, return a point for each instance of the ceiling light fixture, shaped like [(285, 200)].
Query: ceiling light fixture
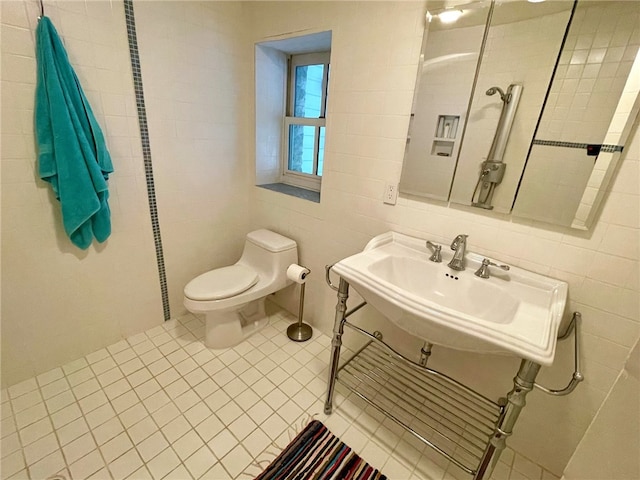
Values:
[(449, 16)]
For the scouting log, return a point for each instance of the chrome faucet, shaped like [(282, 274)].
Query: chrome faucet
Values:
[(459, 245)]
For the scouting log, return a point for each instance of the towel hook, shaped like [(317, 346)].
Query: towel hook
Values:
[(41, 9)]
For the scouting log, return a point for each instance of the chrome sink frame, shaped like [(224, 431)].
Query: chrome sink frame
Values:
[(459, 423)]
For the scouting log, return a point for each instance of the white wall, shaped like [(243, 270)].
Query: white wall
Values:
[(59, 303), (592, 70), (271, 69), (444, 86), (610, 447), (591, 98), (375, 50), (194, 73)]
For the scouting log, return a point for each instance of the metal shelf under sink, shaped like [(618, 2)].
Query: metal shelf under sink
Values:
[(443, 413)]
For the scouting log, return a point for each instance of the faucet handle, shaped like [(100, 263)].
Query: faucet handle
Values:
[(483, 271), (437, 249)]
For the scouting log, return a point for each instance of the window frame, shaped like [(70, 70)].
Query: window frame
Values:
[(292, 177)]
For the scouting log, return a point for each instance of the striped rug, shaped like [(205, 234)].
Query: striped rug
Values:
[(317, 454)]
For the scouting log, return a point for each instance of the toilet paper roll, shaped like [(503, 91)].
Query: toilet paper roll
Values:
[(297, 273)]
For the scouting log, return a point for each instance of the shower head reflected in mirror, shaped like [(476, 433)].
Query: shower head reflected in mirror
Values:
[(505, 97)]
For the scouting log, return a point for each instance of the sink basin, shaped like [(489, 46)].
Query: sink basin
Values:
[(516, 312)]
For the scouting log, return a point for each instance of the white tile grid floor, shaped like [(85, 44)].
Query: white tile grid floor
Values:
[(161, 405)]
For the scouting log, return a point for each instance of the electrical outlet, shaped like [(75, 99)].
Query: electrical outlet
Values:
[(390, 194)]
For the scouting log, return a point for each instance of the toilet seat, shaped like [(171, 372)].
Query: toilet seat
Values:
[(221, 283)]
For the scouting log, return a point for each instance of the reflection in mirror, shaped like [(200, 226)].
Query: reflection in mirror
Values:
[(520, 47), (446, 71), (464, 155), (521, 51), (493, 168), (589, 113)]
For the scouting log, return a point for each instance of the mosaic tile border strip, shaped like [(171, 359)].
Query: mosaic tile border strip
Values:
[(603, 148), (146, 151)]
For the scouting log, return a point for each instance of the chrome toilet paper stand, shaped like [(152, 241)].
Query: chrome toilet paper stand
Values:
[(300, 332)]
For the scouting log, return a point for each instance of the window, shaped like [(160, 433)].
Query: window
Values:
[(304, 123), (291, 78)]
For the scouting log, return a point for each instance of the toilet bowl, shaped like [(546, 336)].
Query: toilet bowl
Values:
[(232, 298)]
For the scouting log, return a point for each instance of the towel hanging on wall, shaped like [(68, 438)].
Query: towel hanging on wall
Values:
[(72, 154)]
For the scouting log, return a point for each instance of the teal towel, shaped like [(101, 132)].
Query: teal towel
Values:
[(72, 154)]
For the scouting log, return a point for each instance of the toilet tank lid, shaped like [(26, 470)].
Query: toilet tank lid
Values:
[(271, 241)]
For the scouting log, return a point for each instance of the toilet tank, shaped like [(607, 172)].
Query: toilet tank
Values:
[(270, 254)]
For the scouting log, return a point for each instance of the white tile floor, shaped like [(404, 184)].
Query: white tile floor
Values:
[(161, 405)]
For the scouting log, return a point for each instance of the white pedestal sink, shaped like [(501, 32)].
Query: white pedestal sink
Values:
[(516, 312)]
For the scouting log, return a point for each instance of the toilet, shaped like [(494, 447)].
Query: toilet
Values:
[(232, 298)]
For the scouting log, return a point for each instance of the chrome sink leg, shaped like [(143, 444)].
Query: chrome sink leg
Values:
[(336, 342), (425, 353), (516, 400)]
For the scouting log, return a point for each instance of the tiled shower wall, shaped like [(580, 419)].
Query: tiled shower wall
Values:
[(194, 76), (602, 453), (592, 68), (59, 303), (374, 55)]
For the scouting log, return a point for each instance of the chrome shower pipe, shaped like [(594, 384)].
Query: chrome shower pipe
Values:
[(493, 168), (510, 103)]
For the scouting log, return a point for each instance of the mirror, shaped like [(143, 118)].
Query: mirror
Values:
[(447, 68), (479, 134), (591, 107)]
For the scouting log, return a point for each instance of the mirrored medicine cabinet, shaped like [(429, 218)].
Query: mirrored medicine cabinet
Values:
[(522, 107)]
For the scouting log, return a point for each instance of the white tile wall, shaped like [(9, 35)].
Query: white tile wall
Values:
[(553, 185), (600, 453), (440, 83), (385, 38), (60, 303), (194, 77), (617, 134), (592, 71)]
